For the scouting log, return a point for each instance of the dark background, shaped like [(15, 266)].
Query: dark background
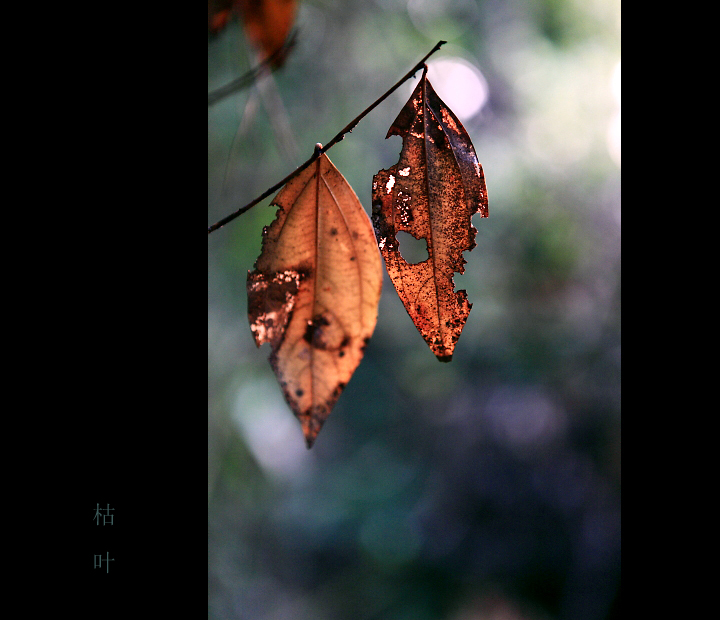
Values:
[(487, 488)]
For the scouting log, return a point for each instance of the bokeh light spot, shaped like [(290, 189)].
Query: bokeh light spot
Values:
[(460, 84)]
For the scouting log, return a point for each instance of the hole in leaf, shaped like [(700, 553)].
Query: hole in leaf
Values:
[(413, 250)]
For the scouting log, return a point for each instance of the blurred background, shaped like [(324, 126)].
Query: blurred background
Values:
[(483, 489)]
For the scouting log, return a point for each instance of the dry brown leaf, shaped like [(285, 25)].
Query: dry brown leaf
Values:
[(431, 193), (315, 290)]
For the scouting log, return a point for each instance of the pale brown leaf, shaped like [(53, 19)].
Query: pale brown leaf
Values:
[(431, 193), (315, 290)]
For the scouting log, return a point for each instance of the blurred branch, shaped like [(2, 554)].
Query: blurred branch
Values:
[(271, 63), (319, 150), (279, 120)]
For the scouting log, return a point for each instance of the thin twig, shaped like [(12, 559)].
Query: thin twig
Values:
[(319, 151), (272, 62)]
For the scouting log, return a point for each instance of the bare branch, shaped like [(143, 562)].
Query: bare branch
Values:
[(319, 151)]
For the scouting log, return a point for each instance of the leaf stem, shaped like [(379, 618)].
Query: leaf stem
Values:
[(319, 151)]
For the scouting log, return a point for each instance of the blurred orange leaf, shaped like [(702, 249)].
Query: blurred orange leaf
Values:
[(431, 193), (315, 289), (219, 14), (267, 24)]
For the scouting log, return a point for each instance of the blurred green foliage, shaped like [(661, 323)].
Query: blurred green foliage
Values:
[(488, 487)]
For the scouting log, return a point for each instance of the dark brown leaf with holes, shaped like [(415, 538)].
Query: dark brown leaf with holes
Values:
[(315, 290), (431, 193)]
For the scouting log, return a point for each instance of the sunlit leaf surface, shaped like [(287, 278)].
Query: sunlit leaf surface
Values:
[(315, 291)]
